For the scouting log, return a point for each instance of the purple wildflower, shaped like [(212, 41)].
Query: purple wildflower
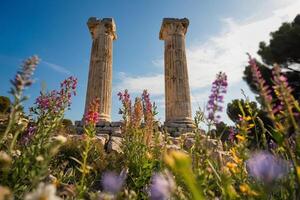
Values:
[(232, 133), (266, 167), (284, 93), (56, 101), (126, 102), (112, 182), (23, 77), (264, 89), (219, 88), (161, 186), (147, 103), (28, 134)]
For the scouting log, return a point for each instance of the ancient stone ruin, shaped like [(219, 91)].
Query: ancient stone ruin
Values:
[(103, 33), (177, 91)]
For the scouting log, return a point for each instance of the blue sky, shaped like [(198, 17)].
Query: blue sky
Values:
[(219, 34)]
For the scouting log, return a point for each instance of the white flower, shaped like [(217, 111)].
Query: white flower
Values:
[(39, 158), (60, 138), (45, 192), (16, 153)]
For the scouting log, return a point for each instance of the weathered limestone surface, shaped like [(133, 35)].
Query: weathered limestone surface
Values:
[(177, 90), (103, 32)]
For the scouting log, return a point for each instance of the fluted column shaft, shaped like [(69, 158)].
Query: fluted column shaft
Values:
[(177, 90), (100, 70)]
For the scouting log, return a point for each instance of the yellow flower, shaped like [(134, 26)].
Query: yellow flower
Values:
[(244, 188), (177, 159), (149, 155), (232, 166), (298, 171), (240, 137), (248, 118), (250, 126), (235, 158)]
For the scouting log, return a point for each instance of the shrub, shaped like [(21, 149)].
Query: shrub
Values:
[(4, 104)]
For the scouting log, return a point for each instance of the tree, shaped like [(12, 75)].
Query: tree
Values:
[(284, 49), (4, 104), (284, 46)]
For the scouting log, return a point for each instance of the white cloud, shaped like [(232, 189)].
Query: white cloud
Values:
[(154, 84), (57, 68), (223, 52)]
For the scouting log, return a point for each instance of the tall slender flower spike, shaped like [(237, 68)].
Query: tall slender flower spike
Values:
[(219, 88), (284, 93), (92, 116), (264, 89)]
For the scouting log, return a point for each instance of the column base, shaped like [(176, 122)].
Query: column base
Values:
[(176, 127)]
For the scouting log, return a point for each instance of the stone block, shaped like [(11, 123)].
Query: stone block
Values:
[(79, 130), (78, 123), (107, 124), (116, 131), (116, 124), (114, 145), (106, 136), (176, 134), (100, 124), (102, 139)]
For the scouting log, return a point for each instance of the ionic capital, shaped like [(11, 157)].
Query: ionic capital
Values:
[(173, 26), (104, 26)]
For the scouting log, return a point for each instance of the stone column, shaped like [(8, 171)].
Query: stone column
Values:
[(177, 90), (103, 33)]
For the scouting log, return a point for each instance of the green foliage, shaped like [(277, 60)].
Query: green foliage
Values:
[(67, 123), (4, 104), (283, 48), (284, 45), (140, 157)]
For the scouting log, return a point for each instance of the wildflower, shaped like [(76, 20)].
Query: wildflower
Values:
[(177, 159), (27, 136), (126, 102), (92, 116), (137, 113), (266, 167), (298, 171), (40, 158), (241, 138), (232, 166), (162, 186), (23, 77), (244, 188), (235, 158), (149, 113), (246, 118), (16, 153), (112, 182), (232, 134), (44, 192), (219, 87), (61, 139), (284, 93), (56, 101), (265, 91)]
